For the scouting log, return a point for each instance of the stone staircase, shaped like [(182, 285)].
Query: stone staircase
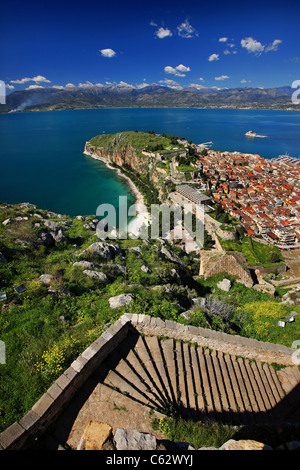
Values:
[(179, 378)]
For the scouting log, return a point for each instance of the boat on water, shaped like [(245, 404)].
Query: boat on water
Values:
[(253, 134)]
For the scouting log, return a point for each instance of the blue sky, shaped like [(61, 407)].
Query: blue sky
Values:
[(177, 44)]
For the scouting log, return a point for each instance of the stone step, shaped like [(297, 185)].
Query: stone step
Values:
[(167, 351), (174, 376), (220, 383), (243, 392), (229, 390), (207, 396), (198, 385), (152, 344), (142, 354), (133, 362), (183, 393), (213, 384), (240, 416)]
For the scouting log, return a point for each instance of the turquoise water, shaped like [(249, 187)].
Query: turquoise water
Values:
[(42, 160)]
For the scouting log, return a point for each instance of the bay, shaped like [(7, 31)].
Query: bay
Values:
[(42, 160)]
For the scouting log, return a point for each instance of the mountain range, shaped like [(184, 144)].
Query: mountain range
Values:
[(84, 97)]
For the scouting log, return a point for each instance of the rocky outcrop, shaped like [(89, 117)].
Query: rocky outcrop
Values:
[(100, 436), (56, 231), (102, 249), (97, 274), (224, 285), (130, 439), (120, 300), (126, 156)]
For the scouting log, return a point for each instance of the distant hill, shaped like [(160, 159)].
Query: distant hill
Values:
[(154, 95)]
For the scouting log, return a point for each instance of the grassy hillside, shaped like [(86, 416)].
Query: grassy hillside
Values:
[(138, 140)]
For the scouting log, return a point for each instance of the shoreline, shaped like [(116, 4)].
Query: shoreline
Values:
[(142, 214)]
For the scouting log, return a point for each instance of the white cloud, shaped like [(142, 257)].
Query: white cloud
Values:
[(197, 86), (273, 46), (245, 81), (252, 45), (169, 69), (222, 77), (32, 87), (58, 87), (167, 81), (257, 47), (10, 87), (142, 85), (163, 33), (125, 85), (40, 78), (87, 84), (223, 39), (201, 79), (21, 81), (107, 52), (183, 68), (213, 57), (37, 79), (69, 85), (186, 30), (178, 71)]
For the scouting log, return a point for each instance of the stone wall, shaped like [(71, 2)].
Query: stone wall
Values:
[(47, 409), (214, 262)]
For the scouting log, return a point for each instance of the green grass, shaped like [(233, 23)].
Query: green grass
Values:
[(138, 140), (212, 434), (255, 253)]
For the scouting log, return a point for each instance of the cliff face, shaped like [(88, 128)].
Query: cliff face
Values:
[(140, 164), (119, 157)]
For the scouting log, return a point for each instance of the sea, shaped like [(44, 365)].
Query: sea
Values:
[(42, 160)]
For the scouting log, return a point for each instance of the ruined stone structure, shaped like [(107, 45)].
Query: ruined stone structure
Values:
[(215, 262)]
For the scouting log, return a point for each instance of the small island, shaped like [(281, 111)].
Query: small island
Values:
[(253, 134)]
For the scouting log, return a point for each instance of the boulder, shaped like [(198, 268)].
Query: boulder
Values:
[(165, 253), (136, 249), (244, 444), (46, 238), (98, 274), (87, 265), (120, 300), (224, 285), (102, 249), (45, 279), (7, 222), (131, 439), (145, 269), (56, 231), (95, 435)]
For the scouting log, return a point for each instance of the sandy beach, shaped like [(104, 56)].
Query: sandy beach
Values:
[(142, 215)]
